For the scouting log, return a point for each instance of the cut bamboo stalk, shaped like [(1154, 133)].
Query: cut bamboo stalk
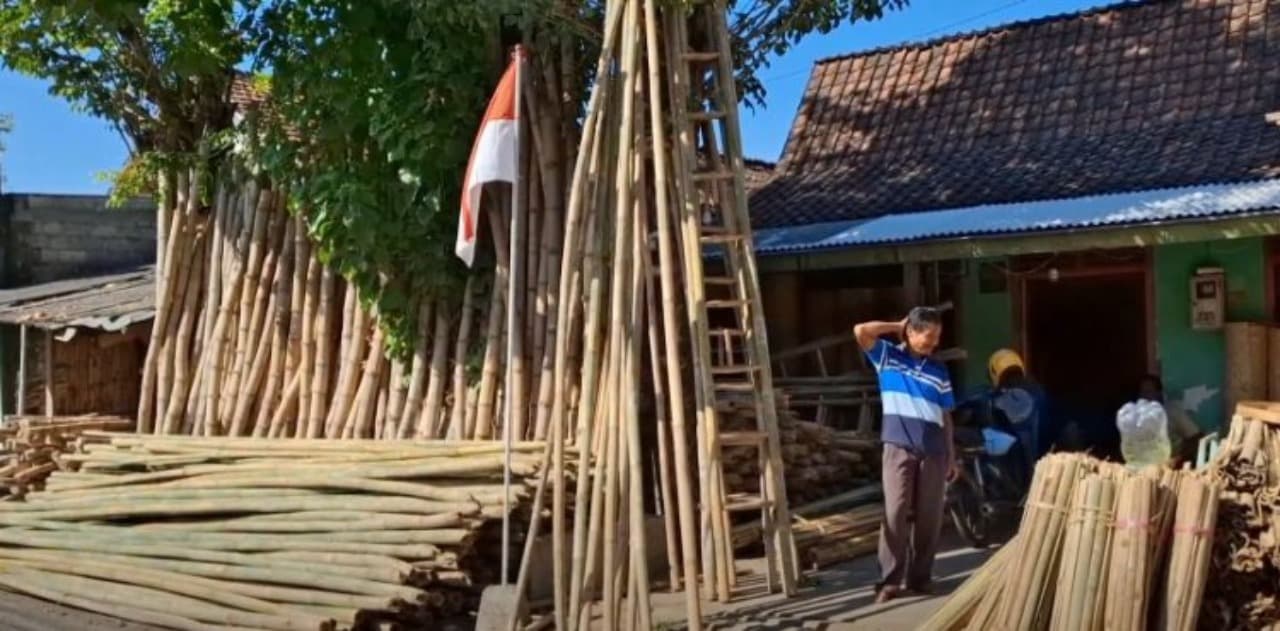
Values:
[(418, 375), (353, 329), (278, 369), (590, 492), (457, 412), (360, 420), (429, 420), (484, 424), (35, 586), (182, 366), (307, 368), (289, 407), (240, 346), (165, 279), (110, 568)]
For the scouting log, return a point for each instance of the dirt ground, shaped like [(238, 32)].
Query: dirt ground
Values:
[(837, 598)]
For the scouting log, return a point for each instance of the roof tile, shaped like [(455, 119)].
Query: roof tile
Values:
[(1139, 95)]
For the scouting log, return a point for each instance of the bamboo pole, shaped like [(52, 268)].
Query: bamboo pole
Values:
[(360, 421), (428, 423), (458, 410), (493, 337), (182, 380), (418, 371), (668, 259)]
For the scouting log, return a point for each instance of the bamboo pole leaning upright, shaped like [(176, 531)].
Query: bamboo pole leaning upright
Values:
[(668, 259), (458, 409)]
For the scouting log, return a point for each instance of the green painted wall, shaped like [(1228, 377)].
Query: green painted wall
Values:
[(986, 324), (1195, 358)]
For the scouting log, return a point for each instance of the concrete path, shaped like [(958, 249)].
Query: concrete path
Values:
[(837, 598)]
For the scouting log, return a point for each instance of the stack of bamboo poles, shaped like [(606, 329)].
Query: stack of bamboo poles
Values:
[(33, 446), (828, 531), (191, 533), (818, 461), (255, 337), (1100, 546), (1245, 568)]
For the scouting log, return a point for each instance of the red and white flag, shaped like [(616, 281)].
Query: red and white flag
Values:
[(494, 157)]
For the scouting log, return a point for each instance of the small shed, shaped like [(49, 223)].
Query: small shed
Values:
[(80, 344)]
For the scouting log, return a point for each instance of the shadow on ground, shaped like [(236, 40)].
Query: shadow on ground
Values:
[(836, 598)]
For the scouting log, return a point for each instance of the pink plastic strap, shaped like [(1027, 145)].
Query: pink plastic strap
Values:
[(1133, 524)]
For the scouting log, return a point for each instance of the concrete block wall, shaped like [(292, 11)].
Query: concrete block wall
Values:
[(51, 237)]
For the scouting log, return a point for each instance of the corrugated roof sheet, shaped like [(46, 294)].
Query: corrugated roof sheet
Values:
[(1143, 207), (109, 302)]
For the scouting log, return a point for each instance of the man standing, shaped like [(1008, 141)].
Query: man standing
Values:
[(916, 397)]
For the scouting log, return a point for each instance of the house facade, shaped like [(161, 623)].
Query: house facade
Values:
[(1077, 186)]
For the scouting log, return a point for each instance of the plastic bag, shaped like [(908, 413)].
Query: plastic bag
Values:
[(1144, 435)]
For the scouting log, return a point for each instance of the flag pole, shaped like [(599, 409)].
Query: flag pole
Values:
[(514, 270)]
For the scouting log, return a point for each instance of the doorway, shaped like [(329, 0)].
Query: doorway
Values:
[(1087, 335)]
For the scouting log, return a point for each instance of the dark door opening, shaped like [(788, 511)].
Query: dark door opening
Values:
[(1087, 345)]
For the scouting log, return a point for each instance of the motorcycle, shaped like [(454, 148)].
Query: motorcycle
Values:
[(992, 484)]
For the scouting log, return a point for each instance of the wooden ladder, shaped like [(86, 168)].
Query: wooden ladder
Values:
[(730, 359)]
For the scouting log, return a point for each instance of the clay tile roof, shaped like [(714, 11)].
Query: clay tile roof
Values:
[(757, 173), (1128, 97)]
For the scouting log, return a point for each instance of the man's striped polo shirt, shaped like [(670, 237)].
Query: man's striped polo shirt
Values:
[(914, 393)]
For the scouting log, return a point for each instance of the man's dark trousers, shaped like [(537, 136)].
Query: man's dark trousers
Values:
[(914, 491)]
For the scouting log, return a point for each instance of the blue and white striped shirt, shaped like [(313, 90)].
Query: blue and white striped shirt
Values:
[(914, 394)]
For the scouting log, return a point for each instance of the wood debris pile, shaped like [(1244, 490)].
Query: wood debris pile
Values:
[(192, 533), (829, 531), (1099, 546), (818, 461), (32, 446), (1244, 591)]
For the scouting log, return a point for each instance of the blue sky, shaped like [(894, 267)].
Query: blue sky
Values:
[(54, 149)]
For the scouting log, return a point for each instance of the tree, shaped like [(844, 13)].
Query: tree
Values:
[(159, 71), (373, 104)]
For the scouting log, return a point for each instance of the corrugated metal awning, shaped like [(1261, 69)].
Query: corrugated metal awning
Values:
[(110, 302), (1095, 211)]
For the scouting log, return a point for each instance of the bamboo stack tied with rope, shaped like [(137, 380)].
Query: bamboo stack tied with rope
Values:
[(189, 532), (1112, 548)]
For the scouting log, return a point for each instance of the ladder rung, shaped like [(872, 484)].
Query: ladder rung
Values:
[(701, 57), (719, 280), (707, 176), (702, 116), (736, 386), (728, 303), (732, 332), (721, 237), (740, 369), (743, 504), (742, 439)]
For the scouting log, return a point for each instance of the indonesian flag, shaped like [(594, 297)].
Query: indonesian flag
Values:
[(494, 157)]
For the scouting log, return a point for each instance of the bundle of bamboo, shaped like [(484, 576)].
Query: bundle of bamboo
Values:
[(1081, 583), (1026, 601), (956, 612), (1091, 552), (194, 532), (33, 445), (1245, 560)]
